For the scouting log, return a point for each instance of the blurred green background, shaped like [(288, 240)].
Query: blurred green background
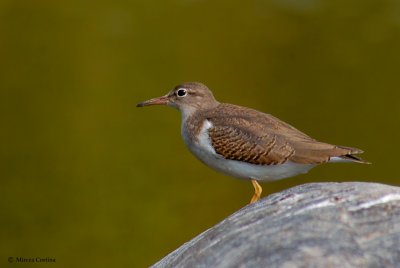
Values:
[(90, 180)]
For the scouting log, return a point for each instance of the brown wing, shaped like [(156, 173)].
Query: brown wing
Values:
[(236, 143), (247, 135)]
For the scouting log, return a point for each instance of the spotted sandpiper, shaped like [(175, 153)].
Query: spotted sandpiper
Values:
[(245, 143)]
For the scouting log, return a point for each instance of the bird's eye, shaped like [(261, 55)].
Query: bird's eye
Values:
[(181, 92)]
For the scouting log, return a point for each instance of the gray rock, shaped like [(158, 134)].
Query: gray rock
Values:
[(350, 224)]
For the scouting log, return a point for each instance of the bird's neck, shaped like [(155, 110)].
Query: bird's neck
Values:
[(186, 113), (190, 111), (191, 123)]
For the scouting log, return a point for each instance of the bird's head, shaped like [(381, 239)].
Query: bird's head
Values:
[(187, 97)]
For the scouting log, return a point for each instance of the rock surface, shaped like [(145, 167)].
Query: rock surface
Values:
[(350, 224)]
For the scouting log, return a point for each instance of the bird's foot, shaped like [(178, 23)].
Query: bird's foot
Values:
[(257, 191)]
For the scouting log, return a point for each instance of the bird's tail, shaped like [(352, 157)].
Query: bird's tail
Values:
[(351, 156)]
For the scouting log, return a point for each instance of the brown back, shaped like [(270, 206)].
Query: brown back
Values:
[(244, 134)]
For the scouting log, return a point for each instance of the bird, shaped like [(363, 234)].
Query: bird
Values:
[(245, 143)]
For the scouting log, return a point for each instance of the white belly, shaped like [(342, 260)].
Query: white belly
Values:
[(203, 150)]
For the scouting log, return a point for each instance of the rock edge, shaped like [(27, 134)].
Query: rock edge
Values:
[(350, 224)]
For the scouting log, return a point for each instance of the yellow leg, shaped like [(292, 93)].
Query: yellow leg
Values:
[(257, 191)]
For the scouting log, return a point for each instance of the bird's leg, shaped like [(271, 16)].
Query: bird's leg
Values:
[(257, 191)]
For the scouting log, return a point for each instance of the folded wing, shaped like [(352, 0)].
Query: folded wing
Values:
[(247, 135)]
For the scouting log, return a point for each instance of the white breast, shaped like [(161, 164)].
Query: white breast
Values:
[(205, 152)]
